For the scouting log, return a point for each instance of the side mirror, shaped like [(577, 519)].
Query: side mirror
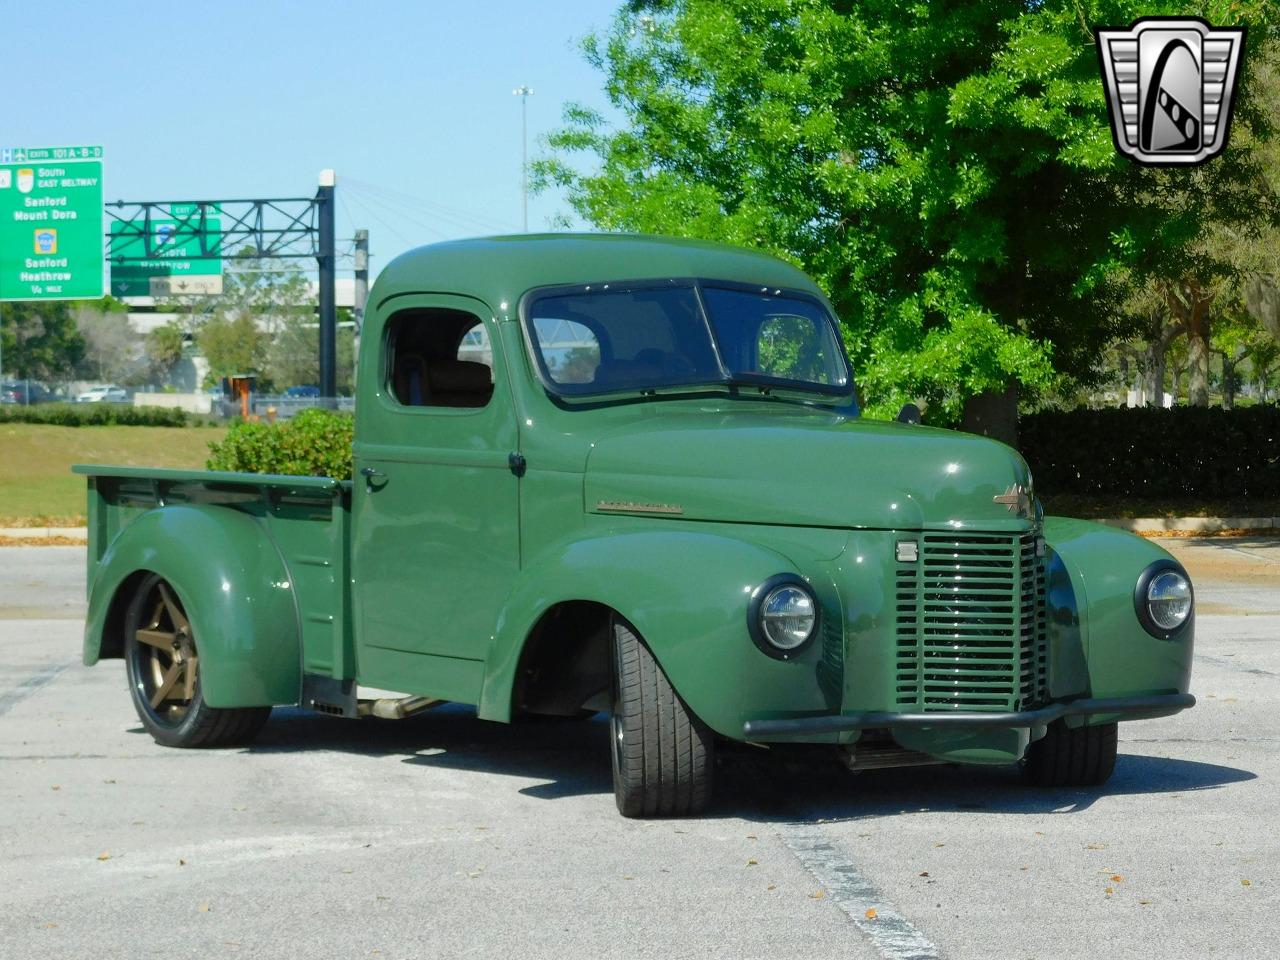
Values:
[(909, 413)]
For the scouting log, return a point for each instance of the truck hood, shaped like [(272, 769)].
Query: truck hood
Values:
[(799, 467)]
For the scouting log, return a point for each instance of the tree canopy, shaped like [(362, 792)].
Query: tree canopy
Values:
[(39, 340), (944, 170)]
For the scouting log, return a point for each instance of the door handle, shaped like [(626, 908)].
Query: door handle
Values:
[(373, 479)]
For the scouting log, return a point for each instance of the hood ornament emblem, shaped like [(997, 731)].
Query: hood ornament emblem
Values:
[(1017, 498)]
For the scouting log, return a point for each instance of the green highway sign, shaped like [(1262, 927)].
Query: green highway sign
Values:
[(174, 267), (51, 238)]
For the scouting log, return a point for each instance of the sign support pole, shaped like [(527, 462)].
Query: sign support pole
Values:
[(360, 295), (326, 258)]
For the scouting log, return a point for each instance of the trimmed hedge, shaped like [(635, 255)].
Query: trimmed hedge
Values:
[(95, 415), (315, 443), (1196, 452)]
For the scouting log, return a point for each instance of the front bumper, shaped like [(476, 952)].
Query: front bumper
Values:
[(801, 726)]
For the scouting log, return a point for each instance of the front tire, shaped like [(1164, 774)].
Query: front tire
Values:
[(163, 664), (1072, 756), (662, 754)]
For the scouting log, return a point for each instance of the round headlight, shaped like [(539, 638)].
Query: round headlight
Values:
[(1164, 599), (782, 616), (1169, 599)]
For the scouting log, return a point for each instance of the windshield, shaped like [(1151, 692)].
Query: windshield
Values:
[(606, 338)]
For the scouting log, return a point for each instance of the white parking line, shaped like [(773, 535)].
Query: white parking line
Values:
[(1243, 551), (889, 931)]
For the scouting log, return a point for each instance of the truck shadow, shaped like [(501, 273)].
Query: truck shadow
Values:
[(769, 790), (571, 758)]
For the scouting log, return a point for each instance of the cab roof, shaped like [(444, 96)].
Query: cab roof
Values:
[(499, 270)]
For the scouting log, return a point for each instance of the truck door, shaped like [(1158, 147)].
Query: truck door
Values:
[(436, 529)]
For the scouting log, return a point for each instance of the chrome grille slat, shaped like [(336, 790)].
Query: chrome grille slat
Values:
[(971, 627)]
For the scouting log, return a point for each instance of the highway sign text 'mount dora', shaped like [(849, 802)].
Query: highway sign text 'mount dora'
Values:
[(51, 231)]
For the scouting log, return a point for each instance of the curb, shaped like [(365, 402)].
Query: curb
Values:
[(1185, 525), (44, 533)]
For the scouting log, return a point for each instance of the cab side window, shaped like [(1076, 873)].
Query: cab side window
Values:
[(439, 358)]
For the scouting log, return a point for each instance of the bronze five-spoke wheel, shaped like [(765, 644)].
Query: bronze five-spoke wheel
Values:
[(163, 663)]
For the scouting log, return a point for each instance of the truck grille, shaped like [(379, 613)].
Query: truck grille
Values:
[(971, 632)]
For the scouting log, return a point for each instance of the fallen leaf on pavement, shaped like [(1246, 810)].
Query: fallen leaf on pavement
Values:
[(1095, 846), (203, 908), (55, 787), (1117, 878), (50, 926), (1109, 891), (104, 855), (1145, 903), (820, 894), (181, 862), (772, 886), (924, 873), (871, 914), (751, 863), (1246, 883)]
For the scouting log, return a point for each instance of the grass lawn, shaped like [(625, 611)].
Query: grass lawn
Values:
[(35, 463)]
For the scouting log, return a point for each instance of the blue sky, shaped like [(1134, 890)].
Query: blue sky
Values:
[(410, 102)]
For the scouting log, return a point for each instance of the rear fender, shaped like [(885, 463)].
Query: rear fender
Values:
[(234, 586)]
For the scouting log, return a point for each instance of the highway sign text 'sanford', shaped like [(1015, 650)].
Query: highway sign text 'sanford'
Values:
[(166, 257), (51, 237)]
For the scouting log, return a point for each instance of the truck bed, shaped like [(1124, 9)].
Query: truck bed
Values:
[(306, 518)]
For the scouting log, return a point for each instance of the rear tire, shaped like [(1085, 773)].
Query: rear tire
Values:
[(662, 754), (1071, 757), (161, 657)]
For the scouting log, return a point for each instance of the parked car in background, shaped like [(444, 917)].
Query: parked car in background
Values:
[(25, 392), (104, 393), (302, 392)]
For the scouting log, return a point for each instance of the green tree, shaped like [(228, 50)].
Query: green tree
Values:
[(237, 328), (39, 340), (164, 348), (112, 347), (293, 356), (233, 344), (945, 171)]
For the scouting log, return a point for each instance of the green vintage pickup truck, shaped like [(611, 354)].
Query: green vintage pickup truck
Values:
[(628, 474)]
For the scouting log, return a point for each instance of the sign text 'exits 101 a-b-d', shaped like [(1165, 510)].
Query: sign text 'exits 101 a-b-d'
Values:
[(51, 230)]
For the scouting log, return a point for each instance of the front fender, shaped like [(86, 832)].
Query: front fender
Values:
[(1100, 648), (236, 591), (686, 593)]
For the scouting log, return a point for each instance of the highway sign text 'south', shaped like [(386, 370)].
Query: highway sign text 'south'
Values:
[(51, 237)]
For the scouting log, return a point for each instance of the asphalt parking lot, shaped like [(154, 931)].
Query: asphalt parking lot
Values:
[(445, 836)]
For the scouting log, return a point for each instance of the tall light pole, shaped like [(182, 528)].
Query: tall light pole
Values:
[(524, 93)]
